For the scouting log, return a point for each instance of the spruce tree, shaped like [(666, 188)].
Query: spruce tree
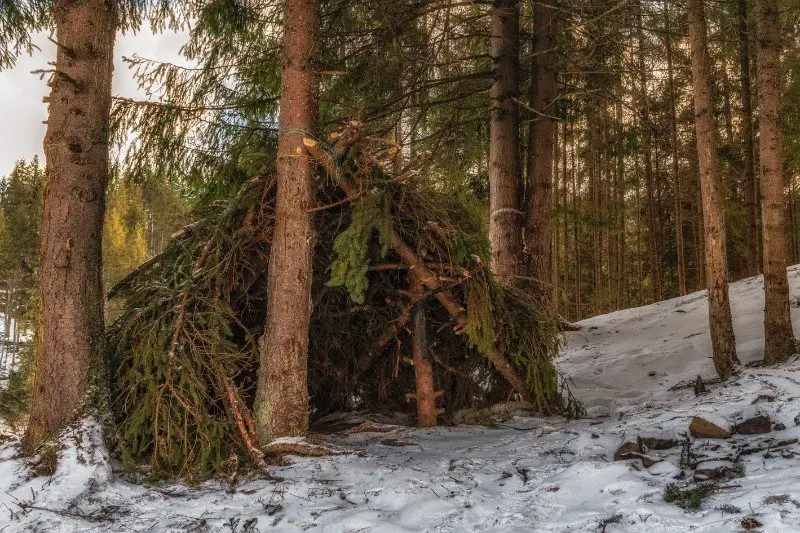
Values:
[(719, 307)]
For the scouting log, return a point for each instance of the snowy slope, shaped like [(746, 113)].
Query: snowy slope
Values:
[(635, 355), (527, 474)]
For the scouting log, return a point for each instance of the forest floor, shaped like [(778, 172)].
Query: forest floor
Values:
[(515, 473)]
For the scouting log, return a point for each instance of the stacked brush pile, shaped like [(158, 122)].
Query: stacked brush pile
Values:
[(183, 354)]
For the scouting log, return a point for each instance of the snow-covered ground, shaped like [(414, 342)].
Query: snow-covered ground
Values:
[(526, 474)]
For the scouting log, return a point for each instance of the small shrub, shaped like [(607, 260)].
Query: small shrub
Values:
[(689, 498)]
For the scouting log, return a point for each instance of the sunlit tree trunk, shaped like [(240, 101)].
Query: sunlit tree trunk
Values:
[(712, 193), (506, 217), (281, 406), (779, 342), (76, 151), (541, 150)]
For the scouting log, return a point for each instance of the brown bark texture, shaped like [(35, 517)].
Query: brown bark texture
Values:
[(653, 237), (749, 180), (676, 176), (712, 195), (541, 140), (505, 215), (425, 393), (76, 152), (281, 406), (779, 342)]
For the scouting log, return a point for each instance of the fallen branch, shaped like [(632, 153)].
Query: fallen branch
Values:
[(244, 420)]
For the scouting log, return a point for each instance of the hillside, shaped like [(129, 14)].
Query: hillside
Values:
[(515, 473)]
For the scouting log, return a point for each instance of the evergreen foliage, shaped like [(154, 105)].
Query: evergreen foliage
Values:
[(191, 316)]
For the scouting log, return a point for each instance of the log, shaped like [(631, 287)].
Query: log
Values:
[(425, 386)]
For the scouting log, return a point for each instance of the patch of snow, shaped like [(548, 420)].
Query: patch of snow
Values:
[(530, 474)]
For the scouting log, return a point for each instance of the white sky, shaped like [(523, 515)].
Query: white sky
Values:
[(21, 93)]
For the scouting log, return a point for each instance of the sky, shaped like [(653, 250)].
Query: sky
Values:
[(21, 93)]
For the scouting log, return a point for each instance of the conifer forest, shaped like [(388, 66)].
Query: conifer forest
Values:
[(399, 265)]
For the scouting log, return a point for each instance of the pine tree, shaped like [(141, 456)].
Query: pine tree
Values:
[(779, 341), (505, 215), (76, 150), (540, 160), (719, 308), (281, 406)]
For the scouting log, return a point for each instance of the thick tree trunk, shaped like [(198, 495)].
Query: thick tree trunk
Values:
[(281, 406), (678, 193), (712, 193), (506, 217), (750, 185), (655, 260), (541, 138), (779, 343), (76, 150)]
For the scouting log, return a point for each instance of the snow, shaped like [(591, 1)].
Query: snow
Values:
[(528, 474)]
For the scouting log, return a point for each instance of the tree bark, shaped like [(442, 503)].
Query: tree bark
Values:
[(679, 246), (281, 406), (750, 184), (779, 342), (655, 261), (541, 137), (712, 193), (76, 151), (425, 386), (506, 217)]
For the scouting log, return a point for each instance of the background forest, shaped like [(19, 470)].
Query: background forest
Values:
[(624, 210), (578, 125), (433, 244)]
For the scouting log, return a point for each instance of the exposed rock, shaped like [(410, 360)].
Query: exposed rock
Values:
[(633, 450), (625, 451), (754, 426), (702, 428), (780, 426), (713, 470)]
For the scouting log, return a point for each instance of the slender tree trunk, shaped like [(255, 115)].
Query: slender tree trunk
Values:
[(676, 177), (555, 234), (779, 342), (506, 218), (281, 406), (655, 261), (565, 208), (425, 390), (577, 290), (621, 219), (76, 150), (712, 192), (750, 184), (541, 149), (6, 326)]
